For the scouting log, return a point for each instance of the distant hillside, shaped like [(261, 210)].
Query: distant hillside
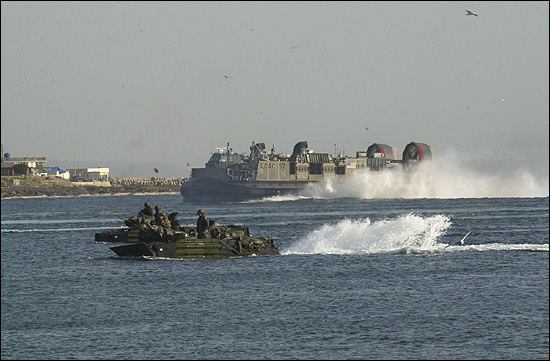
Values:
[(127, 170)]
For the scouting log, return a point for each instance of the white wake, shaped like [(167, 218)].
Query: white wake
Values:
[(406, 234)]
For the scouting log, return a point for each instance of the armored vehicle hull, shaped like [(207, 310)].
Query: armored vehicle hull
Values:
[(193, 248), (183, 242), (230, 176)]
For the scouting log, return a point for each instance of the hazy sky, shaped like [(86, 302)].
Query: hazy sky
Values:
[(144, 81)]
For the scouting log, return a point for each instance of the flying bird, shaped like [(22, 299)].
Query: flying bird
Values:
[(470, 12), (461, 242), (227, 77), (463, 238), (156, 170)]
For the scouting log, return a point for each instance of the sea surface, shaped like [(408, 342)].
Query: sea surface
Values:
[(356, 279)]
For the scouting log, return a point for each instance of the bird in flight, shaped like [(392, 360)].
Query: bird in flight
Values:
[(470, 12), (225, 76), (461, 242)]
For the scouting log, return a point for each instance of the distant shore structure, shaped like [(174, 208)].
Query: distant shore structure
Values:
[(35, 164)]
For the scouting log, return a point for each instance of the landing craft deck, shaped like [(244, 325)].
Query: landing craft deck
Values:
[(229, 176)]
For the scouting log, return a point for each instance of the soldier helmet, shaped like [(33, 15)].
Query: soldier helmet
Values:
[(199, 212), (147, 204), (157, 208)]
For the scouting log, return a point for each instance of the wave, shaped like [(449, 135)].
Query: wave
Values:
[(407, 234), (363, 236), (500, 247), (281, 198)]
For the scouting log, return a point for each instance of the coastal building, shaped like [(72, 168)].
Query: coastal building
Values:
[(58, 172), (36, 167), (35, 164), (95, 174)]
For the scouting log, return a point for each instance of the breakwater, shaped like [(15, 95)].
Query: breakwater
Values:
[(150, 181), (37, 186)]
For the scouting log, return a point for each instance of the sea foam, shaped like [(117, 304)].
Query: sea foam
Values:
[(403, 234), (406, 234)]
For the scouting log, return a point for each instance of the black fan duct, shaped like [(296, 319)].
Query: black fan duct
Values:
[(385, 149), (417, 152)]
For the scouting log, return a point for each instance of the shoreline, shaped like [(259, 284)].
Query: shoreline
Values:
[(116, 194), (22, 187)]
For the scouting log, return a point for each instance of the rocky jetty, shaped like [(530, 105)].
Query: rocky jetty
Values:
[(37, 186)]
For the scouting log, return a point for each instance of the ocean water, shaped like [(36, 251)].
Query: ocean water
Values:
[(357, 279)]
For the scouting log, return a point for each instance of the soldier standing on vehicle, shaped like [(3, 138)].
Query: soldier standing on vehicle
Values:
[(146, 214), (160, 218), (203, 224), (147, 210)]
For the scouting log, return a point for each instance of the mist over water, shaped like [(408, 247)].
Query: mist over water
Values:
[(444, 177)]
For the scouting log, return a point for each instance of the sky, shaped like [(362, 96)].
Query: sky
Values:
[(166, 83)]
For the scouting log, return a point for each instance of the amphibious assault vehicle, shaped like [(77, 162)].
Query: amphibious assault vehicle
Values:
[(144, 239), (229, 176)]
